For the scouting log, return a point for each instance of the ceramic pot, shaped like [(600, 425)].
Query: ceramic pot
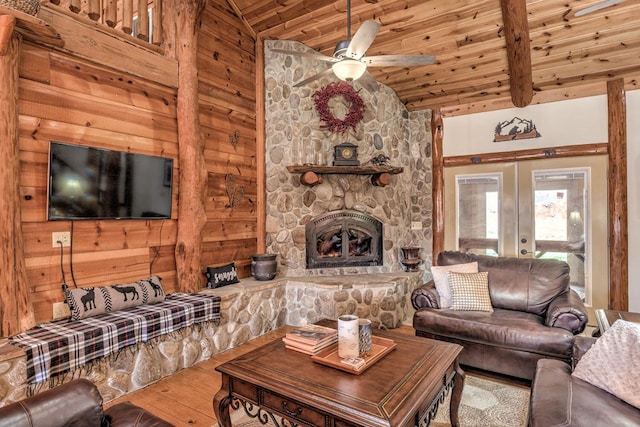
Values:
[(263, 266), (410, 258), (410, 252)]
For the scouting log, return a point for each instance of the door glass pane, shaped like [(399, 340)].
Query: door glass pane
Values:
[(559, 218), (478, 200)]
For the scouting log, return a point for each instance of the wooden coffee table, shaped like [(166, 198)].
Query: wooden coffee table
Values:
[(404, 388)]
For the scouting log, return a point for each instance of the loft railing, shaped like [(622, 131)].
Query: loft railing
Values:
[(123, 15)]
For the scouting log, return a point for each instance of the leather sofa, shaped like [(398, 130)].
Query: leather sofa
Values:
[(77, 403), (559, 399), (536, 315)]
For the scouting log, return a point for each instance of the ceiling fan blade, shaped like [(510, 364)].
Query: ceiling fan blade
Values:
[(368, 82), (595, 7), (321, 74), (362, 39), (398, 60), (312, 55)]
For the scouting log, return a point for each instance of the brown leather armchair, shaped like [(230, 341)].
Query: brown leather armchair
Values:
[(536, 315), (77, 403), (559, 399)]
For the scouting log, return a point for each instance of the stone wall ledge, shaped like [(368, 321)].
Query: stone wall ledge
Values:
[(250, 284), (249, 309), (381, 297)]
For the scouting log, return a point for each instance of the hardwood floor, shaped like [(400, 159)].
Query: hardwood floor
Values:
[(185, 398)]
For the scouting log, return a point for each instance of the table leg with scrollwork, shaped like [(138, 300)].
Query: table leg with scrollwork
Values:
[(452, 384), (221, 402), (456, 395)]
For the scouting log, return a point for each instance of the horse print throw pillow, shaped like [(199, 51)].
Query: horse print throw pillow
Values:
[(87, 302)]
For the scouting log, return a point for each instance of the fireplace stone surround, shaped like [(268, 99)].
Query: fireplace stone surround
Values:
[(294, 135)]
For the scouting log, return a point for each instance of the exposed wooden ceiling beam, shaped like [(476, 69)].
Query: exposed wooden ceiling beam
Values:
[(516, 32), (485, 49)]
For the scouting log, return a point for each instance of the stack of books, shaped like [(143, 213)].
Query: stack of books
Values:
[(310, 339)]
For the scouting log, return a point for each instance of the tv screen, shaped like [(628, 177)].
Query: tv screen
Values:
[(94, 183)]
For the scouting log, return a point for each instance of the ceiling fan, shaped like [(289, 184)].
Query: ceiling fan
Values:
[(349, 60), (598, 6)]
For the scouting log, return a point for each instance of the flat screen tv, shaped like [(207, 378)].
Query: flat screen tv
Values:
[(94, 183)]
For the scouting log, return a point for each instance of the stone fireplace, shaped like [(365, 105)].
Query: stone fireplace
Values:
[(294, 135), (343, 238)]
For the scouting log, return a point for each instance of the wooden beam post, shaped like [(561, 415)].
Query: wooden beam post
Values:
[(16, 312), (618, 225), (261, 203), (516, 32), (192, 216), (7, 24), (437, 189)]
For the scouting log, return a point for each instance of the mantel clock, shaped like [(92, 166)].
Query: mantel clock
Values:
[(346, 154)]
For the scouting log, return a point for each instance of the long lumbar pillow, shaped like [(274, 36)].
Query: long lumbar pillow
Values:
[(87, 302)]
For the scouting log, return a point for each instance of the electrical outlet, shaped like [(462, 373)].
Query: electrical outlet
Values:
[(61, 236), (60, 310), (416, 225)]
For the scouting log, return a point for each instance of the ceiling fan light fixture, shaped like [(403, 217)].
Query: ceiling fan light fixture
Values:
[(349, 69)]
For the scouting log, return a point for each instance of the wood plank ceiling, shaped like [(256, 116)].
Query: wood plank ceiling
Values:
[(468, 38)]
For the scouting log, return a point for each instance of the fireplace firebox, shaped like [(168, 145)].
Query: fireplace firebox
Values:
[(342, 239)]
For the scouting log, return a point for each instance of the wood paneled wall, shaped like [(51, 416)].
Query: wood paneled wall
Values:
[(66, 99), (226, 64)]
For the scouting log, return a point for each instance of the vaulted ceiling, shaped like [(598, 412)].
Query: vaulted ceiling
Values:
[(469, 40)]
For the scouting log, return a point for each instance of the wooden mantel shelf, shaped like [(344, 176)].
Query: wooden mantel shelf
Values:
[(380, 175), (353, 170)]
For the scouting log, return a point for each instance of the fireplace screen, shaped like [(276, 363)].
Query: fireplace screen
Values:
[(343, 238)]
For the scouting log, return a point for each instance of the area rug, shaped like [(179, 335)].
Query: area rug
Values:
[(485, 403)]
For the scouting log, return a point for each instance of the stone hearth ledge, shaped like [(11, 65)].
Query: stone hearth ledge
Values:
[(249, 309), (383, 298)]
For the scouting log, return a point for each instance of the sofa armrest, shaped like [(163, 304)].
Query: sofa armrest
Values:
[(426, 296), (567, 311), (76, 403)]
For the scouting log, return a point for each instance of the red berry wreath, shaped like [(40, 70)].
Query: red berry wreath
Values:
[(356, 107)]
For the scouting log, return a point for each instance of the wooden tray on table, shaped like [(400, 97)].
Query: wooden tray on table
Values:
[(379, 348)]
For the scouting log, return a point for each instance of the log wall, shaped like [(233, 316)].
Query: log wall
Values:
[(226, 64), (69, 100), (73, 100)]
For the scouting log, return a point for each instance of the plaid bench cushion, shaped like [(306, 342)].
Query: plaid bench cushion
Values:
[(61, 346)]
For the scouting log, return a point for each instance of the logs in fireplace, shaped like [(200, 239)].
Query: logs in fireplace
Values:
[(344, 238)]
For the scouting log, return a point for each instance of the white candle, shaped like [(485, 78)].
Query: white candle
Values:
[(348, 345)]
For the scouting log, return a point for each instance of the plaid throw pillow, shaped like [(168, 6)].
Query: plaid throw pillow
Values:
[(441, 280), (470, 291)]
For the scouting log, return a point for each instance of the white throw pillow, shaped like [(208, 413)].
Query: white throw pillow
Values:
[(470, 291), (613, 362), (439, 273)]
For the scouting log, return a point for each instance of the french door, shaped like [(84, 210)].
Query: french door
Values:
[(551, 208)]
